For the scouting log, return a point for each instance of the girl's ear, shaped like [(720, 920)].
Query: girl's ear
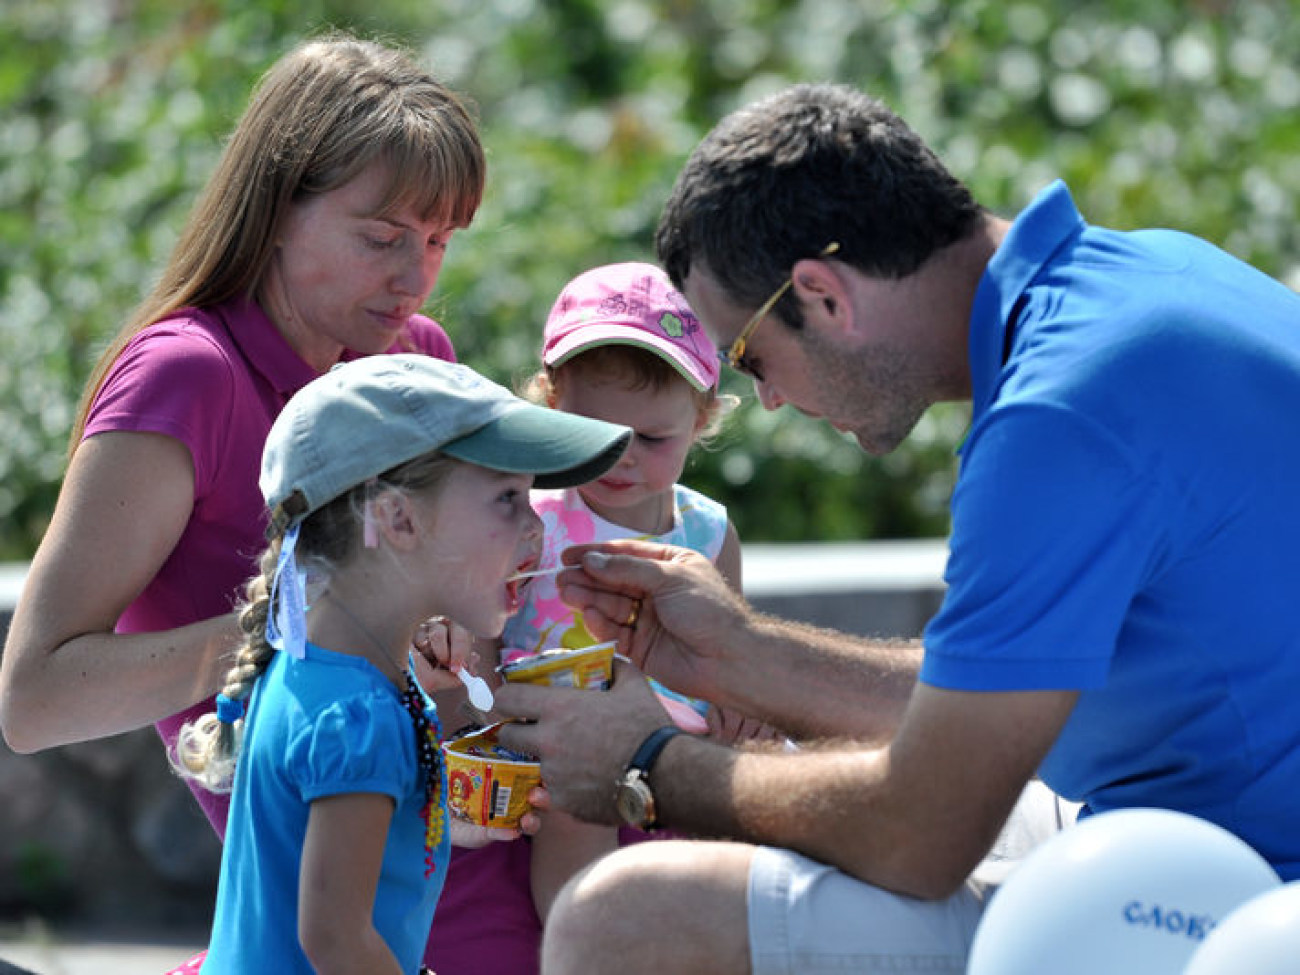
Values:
[(703, 416), (393, 519), (552, 395)]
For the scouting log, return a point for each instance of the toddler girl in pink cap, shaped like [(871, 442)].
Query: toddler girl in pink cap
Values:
[(621, 341)]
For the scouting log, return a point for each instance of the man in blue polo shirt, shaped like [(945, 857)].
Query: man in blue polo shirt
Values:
[(1124, 522), (1120, 617)]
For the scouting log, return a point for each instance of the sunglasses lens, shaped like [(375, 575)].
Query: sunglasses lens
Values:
[(747, 368)]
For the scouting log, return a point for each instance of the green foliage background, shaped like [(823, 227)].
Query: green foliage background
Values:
[(1158, 112)]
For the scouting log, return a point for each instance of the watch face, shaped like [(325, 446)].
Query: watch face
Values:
[(634, 801)]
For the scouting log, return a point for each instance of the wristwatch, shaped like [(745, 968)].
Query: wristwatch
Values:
[(633, 797)]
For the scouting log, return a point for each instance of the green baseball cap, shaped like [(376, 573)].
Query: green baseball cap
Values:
[(367, 416)]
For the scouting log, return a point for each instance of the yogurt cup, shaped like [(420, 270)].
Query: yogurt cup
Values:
[(487, 784), (589, 668)]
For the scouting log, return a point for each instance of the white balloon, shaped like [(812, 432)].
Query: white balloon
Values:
[(1129, 892), (1261, 937)]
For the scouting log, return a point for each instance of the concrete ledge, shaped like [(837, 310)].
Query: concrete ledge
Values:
[(12, 575), (892, 566), (886, 588), (867, 588)]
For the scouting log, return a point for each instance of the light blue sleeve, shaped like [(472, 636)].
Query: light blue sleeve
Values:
[(364, 743), (703, 522)]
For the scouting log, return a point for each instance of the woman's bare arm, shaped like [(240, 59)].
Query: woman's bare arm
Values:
[(65, 676)]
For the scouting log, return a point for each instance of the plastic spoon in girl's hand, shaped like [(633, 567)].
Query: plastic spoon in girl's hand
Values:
[(480, 695)]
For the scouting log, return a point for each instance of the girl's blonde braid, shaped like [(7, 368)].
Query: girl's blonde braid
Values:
[(208, 747)]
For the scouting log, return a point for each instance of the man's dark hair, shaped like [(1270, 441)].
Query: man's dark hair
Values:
[(777, 181)]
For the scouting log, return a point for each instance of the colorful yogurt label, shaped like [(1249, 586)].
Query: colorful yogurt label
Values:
[(487, 784), (586, 668)]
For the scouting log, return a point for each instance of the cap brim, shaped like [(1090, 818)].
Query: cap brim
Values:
[(699, 376), (560, 449)]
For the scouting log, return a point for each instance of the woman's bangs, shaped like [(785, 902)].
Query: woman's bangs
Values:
[(440, 182)]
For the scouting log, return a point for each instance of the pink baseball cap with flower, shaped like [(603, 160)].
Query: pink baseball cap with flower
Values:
[(630, 304)]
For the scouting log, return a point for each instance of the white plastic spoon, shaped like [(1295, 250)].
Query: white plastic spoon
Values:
[(539, 572), (480, 695)]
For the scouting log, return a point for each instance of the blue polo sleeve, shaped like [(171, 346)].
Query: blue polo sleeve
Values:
[(1055, 526)]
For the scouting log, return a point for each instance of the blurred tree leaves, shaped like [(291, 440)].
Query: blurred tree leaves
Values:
[(1162, 112)]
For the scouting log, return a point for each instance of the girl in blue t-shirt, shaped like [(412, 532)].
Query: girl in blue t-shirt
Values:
[(397, 489)]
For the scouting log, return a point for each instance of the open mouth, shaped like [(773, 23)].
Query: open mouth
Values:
[(519, 578)]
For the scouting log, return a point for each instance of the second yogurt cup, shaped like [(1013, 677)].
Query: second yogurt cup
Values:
[(589, 668)]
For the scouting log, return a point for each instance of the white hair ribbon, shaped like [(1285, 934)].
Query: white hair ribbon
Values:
[(370, 527), (286, 623)]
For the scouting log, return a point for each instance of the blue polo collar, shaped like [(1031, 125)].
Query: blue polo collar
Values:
[(1038, 233)]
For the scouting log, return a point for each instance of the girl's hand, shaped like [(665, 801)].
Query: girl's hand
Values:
[(470, 837), (441, 648)]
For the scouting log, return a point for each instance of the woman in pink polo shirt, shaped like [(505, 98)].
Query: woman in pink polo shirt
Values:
[(317, 239)]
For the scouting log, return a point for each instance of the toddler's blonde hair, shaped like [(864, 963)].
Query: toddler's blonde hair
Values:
[(637, 368)]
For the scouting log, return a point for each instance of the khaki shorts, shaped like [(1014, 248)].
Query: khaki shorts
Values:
[(806, 917)]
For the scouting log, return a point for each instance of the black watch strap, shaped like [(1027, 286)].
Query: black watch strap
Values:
[(645, 757)]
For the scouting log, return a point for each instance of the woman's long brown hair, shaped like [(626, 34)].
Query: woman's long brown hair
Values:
[(319, 116)]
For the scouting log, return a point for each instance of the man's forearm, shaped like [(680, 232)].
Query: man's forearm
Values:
[(914, 816), (819, 683), (833, 805)]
